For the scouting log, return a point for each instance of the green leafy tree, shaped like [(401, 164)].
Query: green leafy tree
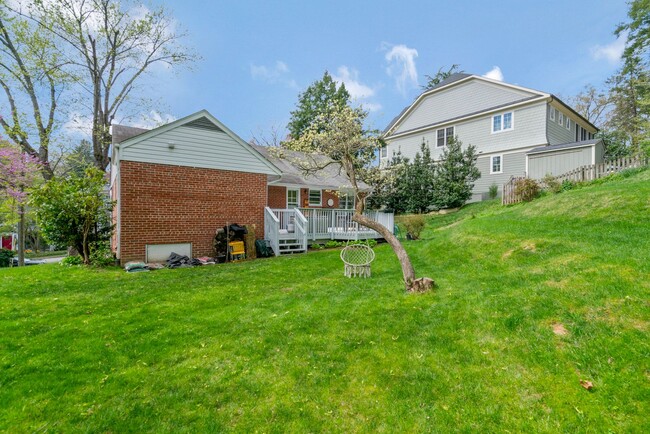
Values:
[(442, 74), (78, 159), (455, 175), (75, 211), (322, 98), (419, 179)]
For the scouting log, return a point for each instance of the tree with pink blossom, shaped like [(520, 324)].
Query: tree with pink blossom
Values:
[(18, 172)]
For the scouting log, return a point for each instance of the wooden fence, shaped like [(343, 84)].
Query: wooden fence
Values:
[(581, 174)]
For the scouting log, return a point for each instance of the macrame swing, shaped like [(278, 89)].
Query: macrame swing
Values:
[(357, 259)]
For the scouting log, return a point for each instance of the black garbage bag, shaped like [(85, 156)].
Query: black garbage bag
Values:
[(175, 260)]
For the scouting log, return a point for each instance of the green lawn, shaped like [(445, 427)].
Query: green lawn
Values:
[(289, 344)]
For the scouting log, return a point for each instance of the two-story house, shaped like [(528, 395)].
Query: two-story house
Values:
[(516, 131)]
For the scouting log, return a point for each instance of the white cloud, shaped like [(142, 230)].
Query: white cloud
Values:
[(152, 119), (359, 92), (401, 65), (611, 52), (278, 73), (494, 73)]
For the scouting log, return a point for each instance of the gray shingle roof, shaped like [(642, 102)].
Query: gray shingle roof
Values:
[(331, 177), (121, 133), (549, 148)]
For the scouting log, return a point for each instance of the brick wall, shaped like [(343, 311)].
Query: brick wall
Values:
[(277, 197), (163, 204)]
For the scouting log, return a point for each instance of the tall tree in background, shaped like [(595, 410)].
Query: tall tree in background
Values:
[(32, 78), (18, 172), (442, 74), (319, 100), (592, 104), (630, 88), (111, 46)]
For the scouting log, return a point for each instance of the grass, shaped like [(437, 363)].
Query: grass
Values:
[(531, 299)]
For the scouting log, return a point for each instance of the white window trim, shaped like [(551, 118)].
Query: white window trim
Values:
[(552, 115), (320, 202), (445, 136), (297, 190), (347, 195), (383, 152), (568, 124), (500, 164), (502, 130), (560, 118)]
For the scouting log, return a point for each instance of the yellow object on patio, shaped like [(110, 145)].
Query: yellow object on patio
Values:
[(236, 250)]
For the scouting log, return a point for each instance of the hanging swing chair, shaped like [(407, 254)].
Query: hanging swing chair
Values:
[(357, 259)]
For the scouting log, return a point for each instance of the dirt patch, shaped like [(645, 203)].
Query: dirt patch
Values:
[(526, 246), (559, 329)]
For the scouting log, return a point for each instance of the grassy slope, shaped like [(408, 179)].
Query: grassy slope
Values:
[(289, 344)]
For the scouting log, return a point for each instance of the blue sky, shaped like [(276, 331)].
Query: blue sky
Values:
[(258, 56)]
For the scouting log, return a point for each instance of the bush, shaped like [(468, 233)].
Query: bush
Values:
[(101, 255), (316, 246), (69, 261), (331, 244), (493, 191), (413, 225), (5, 257), (567, 185), (552, 184), (527, 189)]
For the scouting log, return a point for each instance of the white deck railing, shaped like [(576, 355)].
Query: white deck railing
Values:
[(337, 224), (272, 229)]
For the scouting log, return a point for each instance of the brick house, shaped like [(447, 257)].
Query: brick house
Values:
[(176, 184)]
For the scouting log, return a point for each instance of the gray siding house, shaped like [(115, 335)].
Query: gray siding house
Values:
[(511, 127)]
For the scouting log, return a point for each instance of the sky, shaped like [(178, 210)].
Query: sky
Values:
[(258, 56)]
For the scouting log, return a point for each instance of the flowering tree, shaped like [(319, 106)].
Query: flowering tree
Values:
[(18, 172), (341, 137)]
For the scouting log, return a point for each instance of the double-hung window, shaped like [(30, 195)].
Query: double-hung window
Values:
[(443, 135), (496, 164), (560, 118), (384, 152), (568, 124), (552, 113), (502, 122), (315, 198)]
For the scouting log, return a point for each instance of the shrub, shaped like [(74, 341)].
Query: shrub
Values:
[(413, 225), (69, 261), (331, 244), (527, 189), (317, 246), (493, 191), (101, 255), (5, 257), (552, 184), (567, 185)]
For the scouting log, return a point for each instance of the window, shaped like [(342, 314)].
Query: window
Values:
[(443, 135), (384, 152), (552, 113), (314, 198), (292, 198), (560, 119), (502, 122), (495, 164), (577, 132), (346, 201), (583, 134), (568, 124)]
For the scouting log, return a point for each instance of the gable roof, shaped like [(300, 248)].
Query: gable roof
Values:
[(454, 80), (202, 119), (331, 177)]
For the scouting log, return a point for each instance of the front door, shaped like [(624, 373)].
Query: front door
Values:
[(292, 198)]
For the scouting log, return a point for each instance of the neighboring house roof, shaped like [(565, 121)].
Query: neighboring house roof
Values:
[(331, 177), (202, 120), (563, 146), (458, 78)]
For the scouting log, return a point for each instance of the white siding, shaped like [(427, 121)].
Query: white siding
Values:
[(196, 147), (529, 131), (459, 100)]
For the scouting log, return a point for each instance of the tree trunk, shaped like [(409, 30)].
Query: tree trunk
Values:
[(410, 282), (21, 236)]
